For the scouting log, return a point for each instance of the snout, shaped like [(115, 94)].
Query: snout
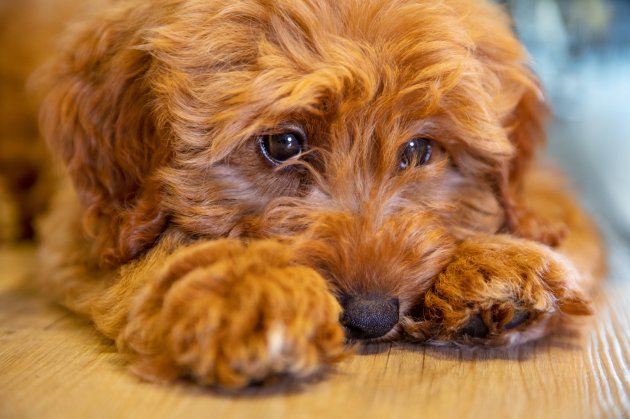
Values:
[(368, 317)]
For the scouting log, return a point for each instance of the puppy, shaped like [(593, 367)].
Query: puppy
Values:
[(251, 183)]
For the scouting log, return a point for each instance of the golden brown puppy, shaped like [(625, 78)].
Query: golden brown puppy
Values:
[(252, 181)]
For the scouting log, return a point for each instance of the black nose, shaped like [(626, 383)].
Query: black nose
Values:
[(369, 317)]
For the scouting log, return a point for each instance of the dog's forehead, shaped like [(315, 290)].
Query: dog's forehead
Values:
[(356, 52), (375, 63)]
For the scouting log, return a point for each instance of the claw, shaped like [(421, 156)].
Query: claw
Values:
[(518, 319)]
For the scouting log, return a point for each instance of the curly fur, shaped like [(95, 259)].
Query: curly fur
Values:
[(182, 243)]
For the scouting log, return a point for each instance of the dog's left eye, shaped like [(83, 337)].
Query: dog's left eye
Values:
[(278, 148), (416, 152)]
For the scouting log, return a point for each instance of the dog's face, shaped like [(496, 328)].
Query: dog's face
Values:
[(371, 135)]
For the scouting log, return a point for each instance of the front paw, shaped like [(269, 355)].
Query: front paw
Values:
[(238, 315), (502, 291)]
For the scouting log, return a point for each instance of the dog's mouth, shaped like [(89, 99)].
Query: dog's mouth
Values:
[(395, 334)]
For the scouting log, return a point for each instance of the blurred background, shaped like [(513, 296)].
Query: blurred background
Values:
[(581, 51)]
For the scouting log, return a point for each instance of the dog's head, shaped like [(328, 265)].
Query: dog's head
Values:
[(372, 135)]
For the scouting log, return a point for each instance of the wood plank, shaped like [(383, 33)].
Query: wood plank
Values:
[(54, 365)]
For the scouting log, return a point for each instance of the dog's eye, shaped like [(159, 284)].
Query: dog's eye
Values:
[(278, 148), (416, 153)]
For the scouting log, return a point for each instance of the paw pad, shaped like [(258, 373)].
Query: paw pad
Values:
[(492, 323), (476, 328)]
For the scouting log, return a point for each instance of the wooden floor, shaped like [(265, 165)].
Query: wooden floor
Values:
[(54, 365)]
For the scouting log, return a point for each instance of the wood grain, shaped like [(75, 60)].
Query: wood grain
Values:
[(54, 365)]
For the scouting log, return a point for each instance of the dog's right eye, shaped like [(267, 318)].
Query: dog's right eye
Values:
[(278, 148), (416, 152)]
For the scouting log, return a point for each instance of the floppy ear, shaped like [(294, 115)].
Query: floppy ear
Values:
[(522, 110), (526, 127), (96, 115)]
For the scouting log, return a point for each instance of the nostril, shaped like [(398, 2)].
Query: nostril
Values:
[(369, 317)]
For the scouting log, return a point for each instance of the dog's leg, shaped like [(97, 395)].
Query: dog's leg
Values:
[(501, 290), (505, 290), (221, 312), (228, 314)]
